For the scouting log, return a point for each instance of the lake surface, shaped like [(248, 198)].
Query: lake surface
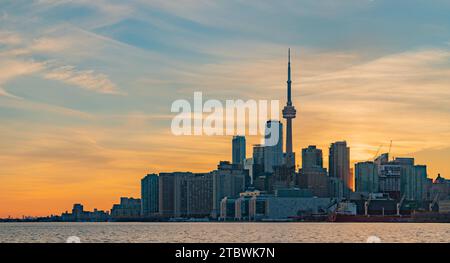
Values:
[(224, 232)]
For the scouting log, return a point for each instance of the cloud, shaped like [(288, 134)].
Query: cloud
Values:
[(9, 38), (105, 12), (48, 44), (17, 60), (10, 69), (86, 79)]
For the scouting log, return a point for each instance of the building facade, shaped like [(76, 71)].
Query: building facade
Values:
[(228, 181), (185, 194), (199, 195), (150, 195), (238, 150), (339, 164), (312, 158), (366, 180), (312, 175), (128, 209), (273, 147)]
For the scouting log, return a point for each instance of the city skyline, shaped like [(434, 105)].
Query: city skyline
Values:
[(243, 183), (77, 115)]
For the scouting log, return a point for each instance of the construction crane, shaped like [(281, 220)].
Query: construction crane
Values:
[(390, 146), (376, 154)]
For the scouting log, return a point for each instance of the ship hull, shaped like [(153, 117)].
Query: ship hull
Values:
[(361, 218)]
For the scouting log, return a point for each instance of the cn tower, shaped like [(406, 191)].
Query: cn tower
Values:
[(289, 114)]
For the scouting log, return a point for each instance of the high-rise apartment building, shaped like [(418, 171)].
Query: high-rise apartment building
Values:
[(312, 158), (150, 195), (238, 150), (339, 164)]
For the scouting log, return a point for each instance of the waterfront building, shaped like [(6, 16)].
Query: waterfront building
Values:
[(389, 177), (413, 182), (185, 194), (257, 207), (366, 179), (150, 195), (79, 215), (228, 181), (401, 178), (289, 205), (242, 204), (227, 209), (199, 195), (172, 194), (129, 208)]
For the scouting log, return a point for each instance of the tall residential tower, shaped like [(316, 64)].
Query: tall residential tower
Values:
[(238, 150), (339, 164)]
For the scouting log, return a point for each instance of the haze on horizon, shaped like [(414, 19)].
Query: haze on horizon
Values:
[(86, 87)]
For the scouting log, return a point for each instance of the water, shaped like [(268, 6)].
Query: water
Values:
[(224, 232)]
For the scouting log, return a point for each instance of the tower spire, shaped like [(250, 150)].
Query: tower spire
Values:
[(289, 113), (289, 55), (289, 102)]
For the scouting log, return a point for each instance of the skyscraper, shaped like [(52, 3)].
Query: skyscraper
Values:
[(258, 160), (339, 164), (273, 150), (313, 176), (238, 151), (150, 195), (312, 157), (289, 113)]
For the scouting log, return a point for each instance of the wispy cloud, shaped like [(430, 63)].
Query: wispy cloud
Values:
[(86, 79), (11, 69), (9, 38), (18, 61)]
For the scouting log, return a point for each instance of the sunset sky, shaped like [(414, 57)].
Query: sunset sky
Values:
[(86, 87)]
